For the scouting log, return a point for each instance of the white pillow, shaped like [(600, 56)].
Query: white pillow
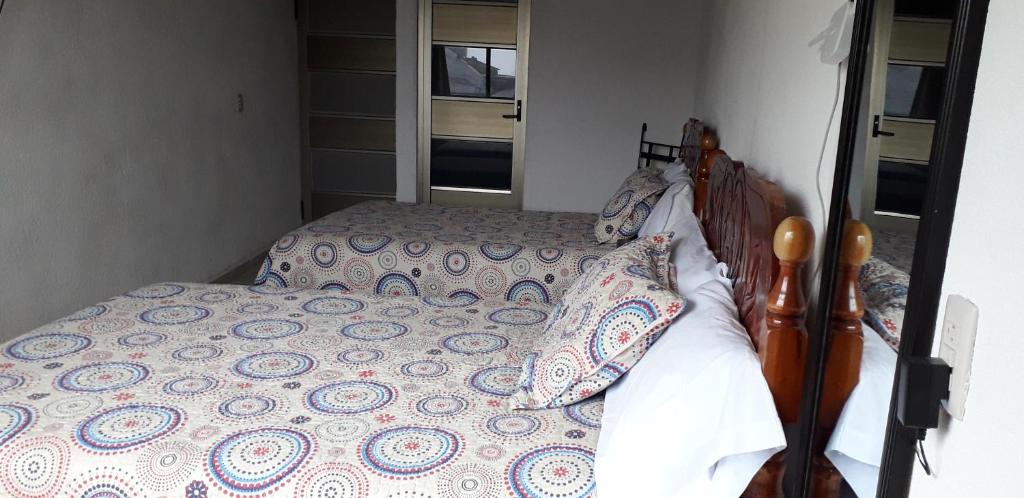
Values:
[(675, 172), (678, 197), (693, 418), (695, 263)]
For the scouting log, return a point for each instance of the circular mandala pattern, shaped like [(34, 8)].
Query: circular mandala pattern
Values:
[(469, 480), (549, 255), (315, 343), (415, 249), (257, 309), (102, 377), (122, 428), (636, 219), (246, 406), (491, 280), (399, 311), (527, 291), (214, 297), (367, 243), (409, 452), (374, 330), (266, 329), (258, 461), (586, 413), (465, 296), (14, 419), (490, 452), (342, 430), (616, 205), (395, 284), (333, 480), (35, 467), (496, 381), (521, 267), (334, 286), (274, 365), (199, 353), (105, 482), (93, 311), (424, 369), (160, 291), (449, 322), (10, 382), (512, 425), (500, 252), (360, 356), (584, 264), (474, 343), (387, 260), (439, 406), (141, 339), (106, 325), (456, 262), (174, 315), (192, 385), (359, 273), (349, 397), (324, 254), (47, 346), (517, 316), (619, 325), (163, 466), (553, 470), (72, 406), (287, 242)]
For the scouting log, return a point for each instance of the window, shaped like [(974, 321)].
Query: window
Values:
[(473, 72)]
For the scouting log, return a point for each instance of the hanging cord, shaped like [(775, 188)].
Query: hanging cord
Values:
[(921, 456), (821, 157)]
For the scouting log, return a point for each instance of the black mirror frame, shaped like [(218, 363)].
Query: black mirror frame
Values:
[(933, 236)]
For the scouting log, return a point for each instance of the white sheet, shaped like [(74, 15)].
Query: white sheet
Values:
[(856, 444), (694, 418)]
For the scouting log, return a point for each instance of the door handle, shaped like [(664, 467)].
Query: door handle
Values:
[(518, 116), (876, 131)]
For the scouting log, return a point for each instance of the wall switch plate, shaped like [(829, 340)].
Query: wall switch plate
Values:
[(959, 329)]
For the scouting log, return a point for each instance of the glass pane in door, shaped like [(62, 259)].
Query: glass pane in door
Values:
[(471, 164)]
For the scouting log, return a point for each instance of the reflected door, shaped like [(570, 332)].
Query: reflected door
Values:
[(472, 102)]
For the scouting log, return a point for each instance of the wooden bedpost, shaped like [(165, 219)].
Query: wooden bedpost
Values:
[(782, 344), (702, 175), (846, 347)]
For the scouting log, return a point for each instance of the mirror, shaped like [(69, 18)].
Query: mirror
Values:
[(899, 91)]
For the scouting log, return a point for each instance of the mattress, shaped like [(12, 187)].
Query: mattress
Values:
[(205, 390), (422, 249)]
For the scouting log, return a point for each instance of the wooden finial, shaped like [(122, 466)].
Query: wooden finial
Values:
[(857, 244), (794, 240), (708, 142)]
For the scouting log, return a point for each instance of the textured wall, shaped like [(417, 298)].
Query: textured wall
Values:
[(123, 160)]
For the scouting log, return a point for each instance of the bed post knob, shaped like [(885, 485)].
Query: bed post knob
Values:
[(857, 244), (708, 142), (794, 240)]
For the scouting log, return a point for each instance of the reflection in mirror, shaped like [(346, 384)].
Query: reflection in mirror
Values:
[(902, 98)]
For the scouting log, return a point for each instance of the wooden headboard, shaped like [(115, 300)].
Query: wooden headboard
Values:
[(745, 223)]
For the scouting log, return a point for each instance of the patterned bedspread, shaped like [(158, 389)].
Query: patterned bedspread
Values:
[(202, 390), (429, 250)]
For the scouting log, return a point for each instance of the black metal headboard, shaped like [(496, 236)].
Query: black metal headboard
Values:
[(688, 149)]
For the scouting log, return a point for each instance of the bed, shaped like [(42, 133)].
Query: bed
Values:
[(210, 390), (395, 248)]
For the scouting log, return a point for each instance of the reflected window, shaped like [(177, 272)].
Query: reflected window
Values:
[(473, 72), (914, 91), (471, 164)]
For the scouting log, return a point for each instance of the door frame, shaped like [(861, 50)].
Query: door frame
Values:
[(424, 99)]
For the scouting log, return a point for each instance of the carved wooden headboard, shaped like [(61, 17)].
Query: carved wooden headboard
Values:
[(744, 220)]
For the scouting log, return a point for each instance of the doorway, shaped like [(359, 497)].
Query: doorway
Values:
[(472, 100)]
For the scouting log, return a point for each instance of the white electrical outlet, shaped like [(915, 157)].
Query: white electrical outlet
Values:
[(959, 329)]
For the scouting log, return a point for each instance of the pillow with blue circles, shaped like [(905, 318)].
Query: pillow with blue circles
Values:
[(629, 208)]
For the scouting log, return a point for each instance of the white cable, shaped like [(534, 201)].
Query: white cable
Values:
[(821, 157)]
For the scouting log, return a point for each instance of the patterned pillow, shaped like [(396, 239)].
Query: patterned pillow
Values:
[(884, 289), (629, 208), (605, 323)]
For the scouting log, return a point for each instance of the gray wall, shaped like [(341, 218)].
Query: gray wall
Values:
[(122, 158), (598, 69)]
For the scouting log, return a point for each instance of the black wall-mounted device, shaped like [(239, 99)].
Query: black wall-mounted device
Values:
[(924, 383)]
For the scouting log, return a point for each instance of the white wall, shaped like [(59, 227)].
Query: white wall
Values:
[(598, 69), (769, 96), (122, 158), (981, 456)]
